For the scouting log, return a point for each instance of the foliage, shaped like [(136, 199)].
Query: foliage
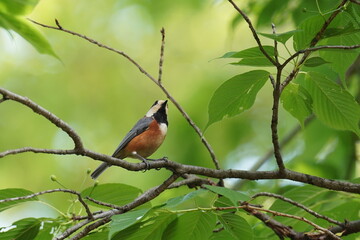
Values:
[(318, 86)]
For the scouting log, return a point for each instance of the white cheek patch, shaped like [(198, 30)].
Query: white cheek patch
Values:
[(163, 128)]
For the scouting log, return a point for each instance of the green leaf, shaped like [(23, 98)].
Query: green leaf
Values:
[(28, 32), (309, 196), (191, 226), (253, 52), (340, 30), (222, 235), (17, 7), (280, 37), (46, 230), (341, 60), (12, 193), (306, 195), (198, 198), (255, 62), (236, 226), (24, 229), (125, 220), (96, 235), (148, 230), (236, 95), (315, 61), (224, 202), (114, 193), (307, 31), (233, 195), (333, 105), (297, 101)]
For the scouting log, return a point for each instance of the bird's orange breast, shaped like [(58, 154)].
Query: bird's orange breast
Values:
[(145, 143)]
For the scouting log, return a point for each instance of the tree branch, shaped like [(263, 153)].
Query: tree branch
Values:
[(215, 173), (276, 91), (142, 70)]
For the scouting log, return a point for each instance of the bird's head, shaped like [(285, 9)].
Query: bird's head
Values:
[(159, 111)]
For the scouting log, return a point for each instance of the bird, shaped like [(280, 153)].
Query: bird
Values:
[(143, 139)]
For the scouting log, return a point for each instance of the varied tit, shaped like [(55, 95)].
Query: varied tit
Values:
[(144, 138)]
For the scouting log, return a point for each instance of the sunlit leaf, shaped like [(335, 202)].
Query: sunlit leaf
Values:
[(255, 62), (297, 101), (233, 195), (17, 7), (236, 226), (253, 52), (24, 229), (314, 62), (13, 193), (280, 37), (198, 198), (46, 230), (333, 105), (236, 95), (28, 32), (114, 193), (125, 220), (191, 226)]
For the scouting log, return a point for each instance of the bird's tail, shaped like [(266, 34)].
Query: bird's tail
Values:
[(99, 170)]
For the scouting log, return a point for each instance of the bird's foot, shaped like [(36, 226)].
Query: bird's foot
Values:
[(144, 160)]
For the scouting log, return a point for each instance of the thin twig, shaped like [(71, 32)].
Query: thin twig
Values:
[(276, 91), (142, 70), (90, 215), (355, 1), (3, 99), (297, 218), (275, 44), (313, 49), (161, 61), (313, 42), (256, 37), (299, 205), (38, 150), (45, 113), (272, 80), (275, 121), (103, 203)]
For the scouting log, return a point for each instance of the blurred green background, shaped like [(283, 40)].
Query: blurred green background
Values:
[(101, 95)]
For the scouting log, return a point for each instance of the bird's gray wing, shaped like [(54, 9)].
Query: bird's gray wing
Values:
[(139, 127)]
